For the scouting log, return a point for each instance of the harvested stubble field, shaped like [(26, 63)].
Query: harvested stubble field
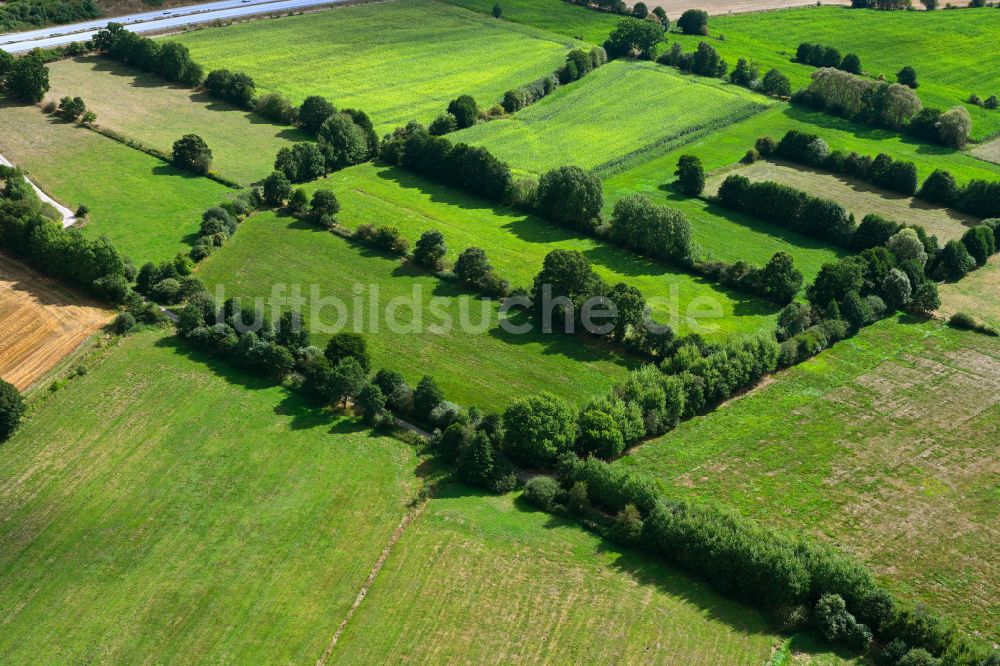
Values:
[(885, 41), (615, 117), (40, 322), (855, 196), (166, 508), (149, 210), (884, 445), (516, 245), (422, 55), (146, 108), (485, 579), (482, 365)]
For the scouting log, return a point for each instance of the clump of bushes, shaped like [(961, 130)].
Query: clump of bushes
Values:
[(967, 322)]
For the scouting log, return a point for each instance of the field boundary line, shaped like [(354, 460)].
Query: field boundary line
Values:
[(410, 516)]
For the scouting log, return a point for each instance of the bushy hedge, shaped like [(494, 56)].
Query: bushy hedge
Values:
[(170, 60), (788, 207), (468, 167), (881, 170), (90, 264), (579, 63)]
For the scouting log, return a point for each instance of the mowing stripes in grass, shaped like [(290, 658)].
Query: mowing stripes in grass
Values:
[(883, 444), (398, 61), (169, 509), (617, 116)]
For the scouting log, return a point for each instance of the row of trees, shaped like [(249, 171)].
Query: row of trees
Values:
[(468, 167), (170, 60), (978, 197), (818, 55), (884, 104), (579, 63), (788, 207), (706, 61), (882, 170), (796, 580), (90, 264), (25, 78)]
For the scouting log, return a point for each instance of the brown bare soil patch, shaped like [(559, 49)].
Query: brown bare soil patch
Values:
[(40, 322), (856, 196)]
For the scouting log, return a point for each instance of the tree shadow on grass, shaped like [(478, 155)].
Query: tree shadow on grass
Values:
[(643, 569), (829, 121)]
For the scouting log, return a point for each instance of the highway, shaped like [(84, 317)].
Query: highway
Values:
[(57, 35)]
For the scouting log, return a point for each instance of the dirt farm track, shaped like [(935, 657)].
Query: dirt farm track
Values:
[(40, 322)]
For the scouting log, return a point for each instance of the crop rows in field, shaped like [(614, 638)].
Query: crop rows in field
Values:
[(619, 115)]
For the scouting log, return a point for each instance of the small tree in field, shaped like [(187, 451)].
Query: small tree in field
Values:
[(277, 189), (430, 249), (465, 110), (191, 153), (694, 22), (908, 77), (497, 10), (690, 175)]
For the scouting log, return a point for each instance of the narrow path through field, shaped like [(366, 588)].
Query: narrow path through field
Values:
[(68, 218), (410, 516)]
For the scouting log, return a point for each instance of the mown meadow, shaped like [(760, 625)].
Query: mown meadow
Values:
[(487, 579), (168, 508), (882, 444), (396, 61), (516, 245), (145, 108), (486, 366), (149, 209)]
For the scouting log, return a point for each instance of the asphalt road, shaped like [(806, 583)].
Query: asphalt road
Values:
[(176, 17)]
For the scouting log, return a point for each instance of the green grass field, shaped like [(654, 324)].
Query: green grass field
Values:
[(479, 578), (167, 509), (517, 244), (150, 210), (947, 49), (619, 115), (487, 368), (144, 107), (398, 61), (884, 445), (555, 16)]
